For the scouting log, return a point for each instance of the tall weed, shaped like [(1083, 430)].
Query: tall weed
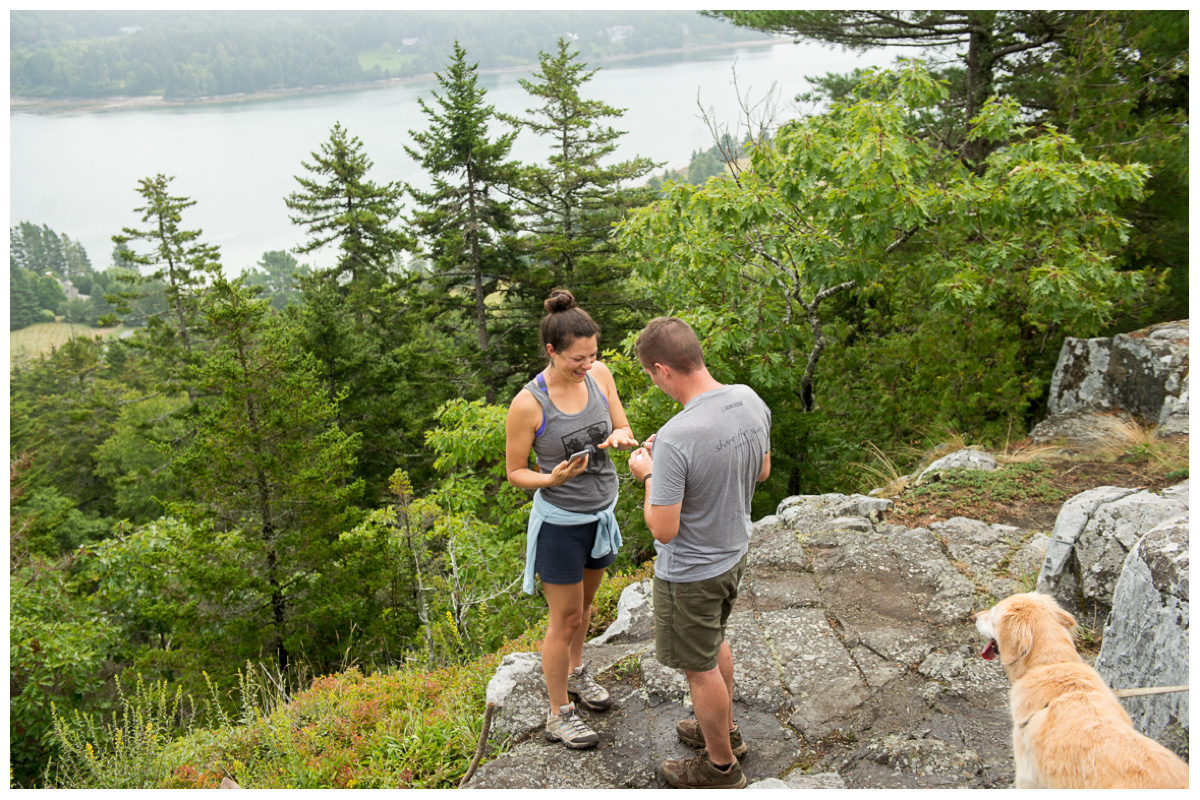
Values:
[(125, 752)]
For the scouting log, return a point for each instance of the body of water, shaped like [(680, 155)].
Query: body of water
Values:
[(78, 173)]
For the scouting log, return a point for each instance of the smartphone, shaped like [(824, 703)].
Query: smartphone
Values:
[(579, 455)]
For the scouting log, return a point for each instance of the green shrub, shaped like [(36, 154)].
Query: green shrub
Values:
[(408, 728), (58, 647)]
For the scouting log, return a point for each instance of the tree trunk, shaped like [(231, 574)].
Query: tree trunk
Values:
[(422, 607), (177, 300), (278, 609), (473, 226), (568, 274), (980, 78)]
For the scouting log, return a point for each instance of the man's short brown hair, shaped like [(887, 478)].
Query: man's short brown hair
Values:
[(670, 341)]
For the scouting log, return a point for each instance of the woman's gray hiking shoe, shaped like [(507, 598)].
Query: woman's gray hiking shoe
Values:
[(690, 733), (701, 773), (568, 728), (590, 694)]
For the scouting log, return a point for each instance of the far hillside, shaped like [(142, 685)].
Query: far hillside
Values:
[(190, 54)]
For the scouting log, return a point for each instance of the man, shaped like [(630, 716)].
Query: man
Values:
[(700, 470)]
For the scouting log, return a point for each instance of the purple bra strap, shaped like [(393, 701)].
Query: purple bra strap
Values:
[(541, 382)]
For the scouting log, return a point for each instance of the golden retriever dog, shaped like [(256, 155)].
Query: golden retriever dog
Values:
[(1069, 729)]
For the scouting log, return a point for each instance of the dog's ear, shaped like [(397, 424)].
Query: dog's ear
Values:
[(1014, 635)]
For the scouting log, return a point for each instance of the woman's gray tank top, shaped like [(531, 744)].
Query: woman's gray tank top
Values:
[(562, 434)]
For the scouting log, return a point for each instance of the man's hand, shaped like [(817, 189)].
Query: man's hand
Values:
[(640, 463)]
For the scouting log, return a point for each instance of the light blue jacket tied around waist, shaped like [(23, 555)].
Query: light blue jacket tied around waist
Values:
[(608, 533)]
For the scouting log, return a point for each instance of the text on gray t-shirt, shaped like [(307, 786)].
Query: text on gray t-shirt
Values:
[(709, 456)]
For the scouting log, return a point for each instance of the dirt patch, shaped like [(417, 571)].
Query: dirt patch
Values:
[(1069, 476)]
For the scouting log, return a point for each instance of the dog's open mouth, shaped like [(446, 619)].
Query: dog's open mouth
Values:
[(990, 650)]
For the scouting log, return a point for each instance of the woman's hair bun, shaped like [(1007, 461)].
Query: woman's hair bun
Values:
[(565, 321), (559, 300)]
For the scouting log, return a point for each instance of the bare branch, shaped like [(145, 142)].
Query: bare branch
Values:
[(899, 242)]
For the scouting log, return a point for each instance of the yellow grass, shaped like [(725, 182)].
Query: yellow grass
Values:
[(885, 469), (38, 339), (1026, 451)]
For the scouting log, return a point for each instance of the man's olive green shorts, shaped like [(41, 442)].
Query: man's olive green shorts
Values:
[(689, 619)]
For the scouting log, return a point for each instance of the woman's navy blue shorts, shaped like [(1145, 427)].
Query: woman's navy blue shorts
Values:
[(565, 551)]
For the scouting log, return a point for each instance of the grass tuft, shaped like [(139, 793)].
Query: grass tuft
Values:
[(1026, 451), (1141, 444), (884, 469)]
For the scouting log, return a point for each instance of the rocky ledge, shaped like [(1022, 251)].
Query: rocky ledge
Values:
[(856, 661)]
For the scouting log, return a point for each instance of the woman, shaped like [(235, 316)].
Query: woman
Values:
[(571, 407)]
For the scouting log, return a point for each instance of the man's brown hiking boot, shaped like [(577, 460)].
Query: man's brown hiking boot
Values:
[(690, 733), (701, 773)]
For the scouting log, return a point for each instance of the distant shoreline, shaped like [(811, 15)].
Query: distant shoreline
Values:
[(82, 105)]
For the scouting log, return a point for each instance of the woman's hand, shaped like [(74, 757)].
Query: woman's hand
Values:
[(620, 438), (567, 470)]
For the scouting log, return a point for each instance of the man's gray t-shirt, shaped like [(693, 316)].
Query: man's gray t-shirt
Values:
[(709, 455)]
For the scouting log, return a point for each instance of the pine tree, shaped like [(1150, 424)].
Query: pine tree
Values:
[(569, 206), (62, 407), (999, 49), (338, 204), (389, 378), (22, 299), (78, 265), (268, 458), (38, 249), (463, 221), (278, 273), (177, 265)]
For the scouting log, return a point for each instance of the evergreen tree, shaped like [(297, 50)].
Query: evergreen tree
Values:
[(61, 408), (37, 261), (355, 323), (389, 378), (568, 207), (279, 274), (463, 221), (338, 204), (136, 458), (1120, 87), (268, 458), (998, 48), (78, 266), (177, 265), (22, 299), (39, 250)]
